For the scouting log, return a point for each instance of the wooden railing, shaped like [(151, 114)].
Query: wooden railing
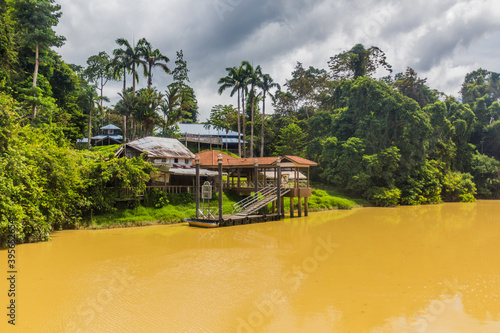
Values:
[(173, 188), (262, 184)]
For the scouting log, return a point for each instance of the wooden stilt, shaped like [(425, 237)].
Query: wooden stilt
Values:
[(291, 207), (306, 206), (300, 207)]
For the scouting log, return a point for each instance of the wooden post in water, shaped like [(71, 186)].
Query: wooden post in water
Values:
[(197, 187), (278, 186), (299, 214), (256, 175), (219, 160), (306, 207)]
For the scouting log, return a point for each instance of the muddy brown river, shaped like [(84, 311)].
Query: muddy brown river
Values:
[(406, 269)]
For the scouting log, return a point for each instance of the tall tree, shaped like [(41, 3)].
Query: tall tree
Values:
[(99, 72), (189, 104), (171, 107), (409, 84), (153, 58), (131, 57), (357, 62), (35, 19), (266, 84), (253, 80), (234, 81), (8, 51)]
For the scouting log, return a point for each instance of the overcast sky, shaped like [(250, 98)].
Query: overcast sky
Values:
[(442, 40)]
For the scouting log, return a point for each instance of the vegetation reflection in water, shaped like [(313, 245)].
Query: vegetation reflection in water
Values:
[(406, 269)]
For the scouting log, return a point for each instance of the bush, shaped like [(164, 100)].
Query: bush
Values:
[(156, 198), (458, 186), (384, 197)]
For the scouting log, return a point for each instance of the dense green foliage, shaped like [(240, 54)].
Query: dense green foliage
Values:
[(46, 184), (391, 140)]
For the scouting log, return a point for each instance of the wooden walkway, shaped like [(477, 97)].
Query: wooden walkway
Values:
[(230, 220)]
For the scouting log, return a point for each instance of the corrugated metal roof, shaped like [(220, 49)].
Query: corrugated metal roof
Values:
[(290, 174), (115, 137), (202, 129), (161, 147), (111, 126), (192, 172)]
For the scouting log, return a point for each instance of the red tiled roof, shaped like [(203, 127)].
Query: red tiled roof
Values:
[(300, 160), (250, 161), (209, 158)]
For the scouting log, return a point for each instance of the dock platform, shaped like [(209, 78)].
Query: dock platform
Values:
[(230, 220)]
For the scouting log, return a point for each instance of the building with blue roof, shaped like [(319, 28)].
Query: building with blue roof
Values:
[(209, 137)]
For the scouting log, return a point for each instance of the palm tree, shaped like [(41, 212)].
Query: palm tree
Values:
[(266, 84), (118, 69), (153, 58), (126, 107), (171, 107), (234, 80), (148, 102), (252, 79), (131, 57)]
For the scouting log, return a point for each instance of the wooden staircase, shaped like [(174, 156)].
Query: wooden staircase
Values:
[(253, 203)]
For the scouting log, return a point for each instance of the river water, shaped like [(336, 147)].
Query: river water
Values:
[(406, 269)]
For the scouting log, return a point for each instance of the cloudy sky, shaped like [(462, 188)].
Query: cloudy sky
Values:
[(442, 40)]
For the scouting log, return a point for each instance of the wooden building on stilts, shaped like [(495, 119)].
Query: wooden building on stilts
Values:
[(266, 181)]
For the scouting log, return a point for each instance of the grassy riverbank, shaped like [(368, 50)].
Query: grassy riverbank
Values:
[(183, 206)]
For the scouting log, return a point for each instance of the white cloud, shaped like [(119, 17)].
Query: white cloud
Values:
[(441, 40)]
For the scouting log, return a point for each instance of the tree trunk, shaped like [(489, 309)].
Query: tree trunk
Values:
[(35, 74), (90, 124), (102, 109), (124, 78), (262, 127), (124, 118), (243, 131), (239, 126), (150, 78), (133, 78), (251, 121)]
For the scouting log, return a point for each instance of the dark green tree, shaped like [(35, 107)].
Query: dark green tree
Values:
[(153, 58), (410, 85), (234, 81), (130, 57), (357, 62), (35, 20), (265, 84)]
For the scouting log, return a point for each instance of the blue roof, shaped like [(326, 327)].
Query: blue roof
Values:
[(202, 129), (111, 127), (231, 140), (115, 137)]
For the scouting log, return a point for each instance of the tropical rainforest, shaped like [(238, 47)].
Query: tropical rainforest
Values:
[(391, 140)]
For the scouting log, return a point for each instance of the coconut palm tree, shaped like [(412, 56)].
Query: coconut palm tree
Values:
[(131, 57), (266, 84), (253, 80), (234, 80), (153, 58)]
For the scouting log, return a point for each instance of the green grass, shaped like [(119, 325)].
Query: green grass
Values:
[(105, 150), (181, 207), (174, 212), (222, 151)]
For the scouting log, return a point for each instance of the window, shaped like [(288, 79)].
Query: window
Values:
[(186, 161), (176, 160)]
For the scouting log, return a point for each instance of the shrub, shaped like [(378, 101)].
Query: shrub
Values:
[(458, 186), (384, 197)]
